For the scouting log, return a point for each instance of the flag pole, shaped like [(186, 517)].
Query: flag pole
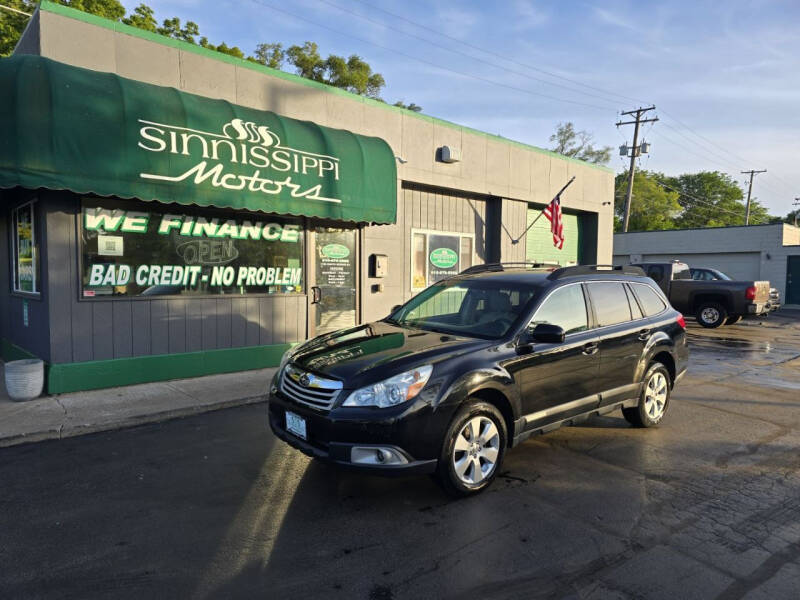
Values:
[(541, 212)]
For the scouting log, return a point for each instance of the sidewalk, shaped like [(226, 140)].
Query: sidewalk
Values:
[(67, 415)]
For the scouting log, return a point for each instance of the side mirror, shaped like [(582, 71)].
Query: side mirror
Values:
[(395, 308), (546, 333)]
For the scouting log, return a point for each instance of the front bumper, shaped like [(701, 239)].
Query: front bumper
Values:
[(416, 432)]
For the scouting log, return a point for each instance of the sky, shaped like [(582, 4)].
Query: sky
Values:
[(724, 76)]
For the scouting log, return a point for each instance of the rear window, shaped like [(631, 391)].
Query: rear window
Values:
[(681, 271), (656, 273), (651, 302), (610, 303)]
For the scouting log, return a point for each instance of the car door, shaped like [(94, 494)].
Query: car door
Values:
[(558, 380), (621, 339)]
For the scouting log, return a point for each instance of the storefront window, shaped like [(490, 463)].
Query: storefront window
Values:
[(25, 250), (438, 255), (135, 249)]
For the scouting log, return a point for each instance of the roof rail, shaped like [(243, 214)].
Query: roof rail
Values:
[(502, 266), (595, 270)]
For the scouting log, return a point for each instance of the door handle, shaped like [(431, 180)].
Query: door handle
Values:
[(590, 348), (316, 294), (644, 334)]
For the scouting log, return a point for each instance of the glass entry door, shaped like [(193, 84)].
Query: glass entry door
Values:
[(334, 285)]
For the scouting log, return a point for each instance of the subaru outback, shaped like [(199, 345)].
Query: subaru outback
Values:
[(476, 364)]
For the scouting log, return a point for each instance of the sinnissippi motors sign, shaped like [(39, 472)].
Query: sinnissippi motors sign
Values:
[(93, 132)]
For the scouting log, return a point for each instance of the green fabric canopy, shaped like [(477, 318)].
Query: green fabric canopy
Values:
[(64, 127)]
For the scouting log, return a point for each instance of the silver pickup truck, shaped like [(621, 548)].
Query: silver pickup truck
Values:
[(713, 303)]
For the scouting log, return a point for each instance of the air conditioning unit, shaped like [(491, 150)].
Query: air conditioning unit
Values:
[(450, 155)]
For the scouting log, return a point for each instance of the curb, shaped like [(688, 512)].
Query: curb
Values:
[(68, 431)]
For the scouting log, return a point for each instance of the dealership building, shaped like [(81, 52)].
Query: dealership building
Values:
[(169, 211)]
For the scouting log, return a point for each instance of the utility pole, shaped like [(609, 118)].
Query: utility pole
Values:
[(796, 210), (635, 152), (752, 172)]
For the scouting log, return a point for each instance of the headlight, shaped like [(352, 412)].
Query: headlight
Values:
[(287, 356), (392, 391)]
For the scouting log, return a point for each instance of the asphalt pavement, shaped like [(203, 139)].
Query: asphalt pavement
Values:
[(212, 506)]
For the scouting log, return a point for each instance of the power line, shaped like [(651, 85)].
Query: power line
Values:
[(710, 203), (470, 56), (15, 10), (498, 55), (421, 60)]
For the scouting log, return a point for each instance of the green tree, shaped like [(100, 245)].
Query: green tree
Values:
[(352, 74), (270, 55), (13, 24), (578, 144), (142, 17), (109, 9), (172, 28), (411, 106), (713, 199), (652, 206)]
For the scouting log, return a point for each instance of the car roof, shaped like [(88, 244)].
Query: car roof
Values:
[(547, 275)]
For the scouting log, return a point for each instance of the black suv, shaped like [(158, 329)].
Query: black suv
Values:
[(478, 363)]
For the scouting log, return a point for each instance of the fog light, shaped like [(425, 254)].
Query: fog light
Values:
[(371, 455)]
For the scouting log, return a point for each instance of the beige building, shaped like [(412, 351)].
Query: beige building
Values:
[(348, 265)]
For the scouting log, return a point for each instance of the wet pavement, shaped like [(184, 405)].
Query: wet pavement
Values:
[(705, 506)]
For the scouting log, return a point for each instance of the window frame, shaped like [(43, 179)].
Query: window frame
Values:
[(305, 223), (622, 283), (14, 246), (591, 322), (658, 293), (427, 233)]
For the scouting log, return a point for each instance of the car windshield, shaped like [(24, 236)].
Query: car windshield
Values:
[(471, 307)]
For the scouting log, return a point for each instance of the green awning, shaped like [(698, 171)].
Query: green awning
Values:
[(69, 128)]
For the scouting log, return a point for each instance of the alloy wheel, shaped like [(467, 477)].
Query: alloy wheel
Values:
[(655, 396), (476, 449), (710, 315)]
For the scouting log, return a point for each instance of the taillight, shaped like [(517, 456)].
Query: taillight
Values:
[(750, 293), (681, 321)]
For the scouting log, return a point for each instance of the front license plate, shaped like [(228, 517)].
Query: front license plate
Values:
[(296, 425)]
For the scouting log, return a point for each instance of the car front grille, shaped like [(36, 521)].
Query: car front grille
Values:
[(309, 389)]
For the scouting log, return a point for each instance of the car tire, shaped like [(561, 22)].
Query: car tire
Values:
[(733, 320), (653, 400), (473, 449), (711, 315)]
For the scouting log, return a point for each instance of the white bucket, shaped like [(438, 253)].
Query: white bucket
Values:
[(24, 378)]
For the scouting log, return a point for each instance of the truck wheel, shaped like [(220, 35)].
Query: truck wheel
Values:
[(733, 320), (711, 314), (654, 400), (473, 449)]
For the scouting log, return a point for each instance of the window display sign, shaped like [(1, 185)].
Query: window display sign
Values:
[(25, 260), (128, 251), (438, 255)]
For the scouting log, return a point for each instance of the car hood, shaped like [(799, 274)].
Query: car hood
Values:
[(350, 354)]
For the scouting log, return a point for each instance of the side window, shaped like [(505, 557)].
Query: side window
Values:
[(565, 307), (610, 303), (635, 310), (656, 273), (651, 302)]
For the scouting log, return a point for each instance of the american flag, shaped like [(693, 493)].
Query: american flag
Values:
[(553, 213)]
